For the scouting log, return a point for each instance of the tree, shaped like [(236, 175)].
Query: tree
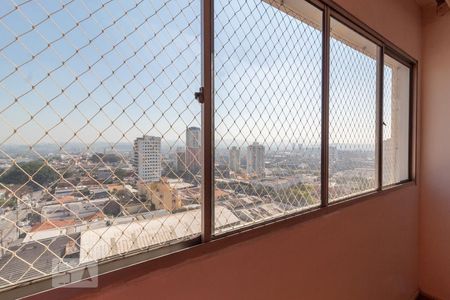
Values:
[(120, 173), (106, 158), (10, 202), (41, 174), (112, 208)]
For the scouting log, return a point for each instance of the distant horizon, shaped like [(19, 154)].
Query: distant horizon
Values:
[(118, 87), (172, 143)]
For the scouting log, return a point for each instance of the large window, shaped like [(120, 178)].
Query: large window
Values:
[(108, 148)]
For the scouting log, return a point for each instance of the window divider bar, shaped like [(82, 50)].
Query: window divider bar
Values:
[(379, 118), (325, 106), (207, 100)]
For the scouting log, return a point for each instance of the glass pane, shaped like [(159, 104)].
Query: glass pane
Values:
[(353, 70), (395, 121), (268, 60), (99, 139)]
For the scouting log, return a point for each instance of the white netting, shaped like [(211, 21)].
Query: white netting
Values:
[(353, 72), (268, 70), (99, 151)]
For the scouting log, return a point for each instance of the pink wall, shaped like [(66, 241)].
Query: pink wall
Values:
[(365, 251), (435, 189), (398, 21)]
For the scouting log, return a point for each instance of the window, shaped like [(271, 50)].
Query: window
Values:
[(95, 101), (105, 151), (396, 123), (353, 99), (268, 78)]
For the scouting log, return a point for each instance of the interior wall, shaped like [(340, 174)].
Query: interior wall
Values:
[(435, 188), (364, 251)]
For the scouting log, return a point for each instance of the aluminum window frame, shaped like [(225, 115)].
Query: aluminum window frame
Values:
[(206, 97), (411, 64), (332, 10)]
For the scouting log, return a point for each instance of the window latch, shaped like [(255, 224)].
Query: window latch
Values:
[(200, 96)]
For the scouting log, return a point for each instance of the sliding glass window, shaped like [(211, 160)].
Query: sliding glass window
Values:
[(268, 70), (353, 110), (396, 121), (100, 144)]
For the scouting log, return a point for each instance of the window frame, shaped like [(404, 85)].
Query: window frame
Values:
[(332, 10), (210, 242), (411, 64)]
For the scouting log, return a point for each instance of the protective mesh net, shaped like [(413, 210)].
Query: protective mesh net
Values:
[(268, 70), (352, 113), (99, 147), (396, 107)]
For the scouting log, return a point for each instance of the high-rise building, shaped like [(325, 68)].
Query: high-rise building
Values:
[(193, 137), (147, 158), (193, 149), (235, 159), (255, 159)]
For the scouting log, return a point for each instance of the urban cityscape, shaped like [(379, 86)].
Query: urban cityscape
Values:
[(91, 206)]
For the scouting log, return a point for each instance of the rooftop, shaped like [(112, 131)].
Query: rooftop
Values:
[(97, 244)]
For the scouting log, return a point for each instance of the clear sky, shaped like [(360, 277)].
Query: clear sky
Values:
[(124, 68)]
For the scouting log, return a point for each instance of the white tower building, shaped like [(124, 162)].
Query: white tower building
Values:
[(193, 137), (147, 158), (255, 159), (235, 159), (193, 149)]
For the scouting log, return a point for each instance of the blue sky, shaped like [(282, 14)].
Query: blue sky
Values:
[(164, 82), (268, 74)]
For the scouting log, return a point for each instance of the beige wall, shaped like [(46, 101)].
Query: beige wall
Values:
[(365, 251), (435, 189), (398, 21)]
